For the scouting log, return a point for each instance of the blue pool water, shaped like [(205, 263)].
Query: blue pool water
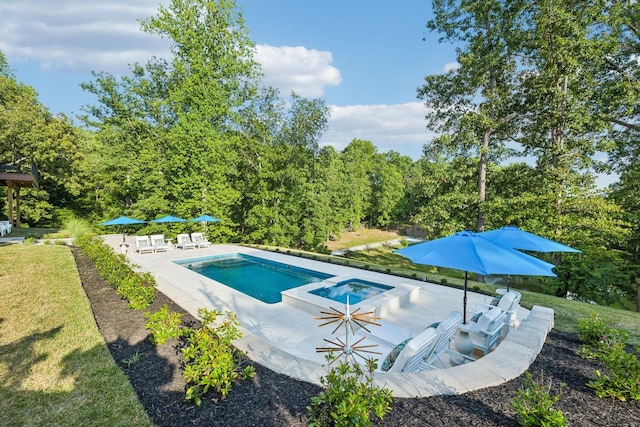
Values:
[(356, 289), (256, 277)]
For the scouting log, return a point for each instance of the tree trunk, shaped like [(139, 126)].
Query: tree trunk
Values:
[(482, 179)]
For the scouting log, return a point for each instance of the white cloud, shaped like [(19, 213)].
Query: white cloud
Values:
[(450, 66), (399, 127), (77, 36), (304, 71)]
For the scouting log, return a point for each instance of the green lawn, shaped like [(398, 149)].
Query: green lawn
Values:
[(55, 368)]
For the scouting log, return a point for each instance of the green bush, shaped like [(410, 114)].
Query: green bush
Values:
[(137, 288), (163, 325), (622, 377), (210, 360), (534, 402), (349, 397), (594, 330)]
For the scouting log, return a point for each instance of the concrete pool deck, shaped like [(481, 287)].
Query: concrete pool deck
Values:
[(284, 338)]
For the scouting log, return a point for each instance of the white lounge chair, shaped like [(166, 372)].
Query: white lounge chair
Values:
[(509, 303), (487, 331), (200, 240), (183, 241), (408, 355), (159, 244), (143, 245), (5, 227), (421, 351), (445, 330)]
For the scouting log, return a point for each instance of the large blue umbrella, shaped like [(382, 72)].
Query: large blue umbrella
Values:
[(205, 218), (469, 252), (168, 218), (515, 238), (122, 220)]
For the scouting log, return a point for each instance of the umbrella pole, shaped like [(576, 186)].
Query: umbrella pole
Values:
[(464, 300)]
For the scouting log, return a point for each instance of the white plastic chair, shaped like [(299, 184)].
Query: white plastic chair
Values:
[(487, 332), (158, 243), (143, 245), (509, 303), (200, 240), (183, 241)]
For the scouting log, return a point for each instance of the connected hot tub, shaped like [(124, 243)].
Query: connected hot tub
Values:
[(334, 292)]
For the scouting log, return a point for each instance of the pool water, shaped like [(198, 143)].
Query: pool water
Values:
[(259, 278), (356, 289)]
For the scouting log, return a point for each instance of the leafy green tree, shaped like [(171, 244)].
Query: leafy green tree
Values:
[(471, 104), (28, 132), (558, 123)]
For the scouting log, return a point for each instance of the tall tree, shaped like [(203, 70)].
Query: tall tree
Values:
[(470, 104), (28, 132), (558, 123)]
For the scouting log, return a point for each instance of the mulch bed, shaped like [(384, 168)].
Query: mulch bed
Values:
[(272, 399)]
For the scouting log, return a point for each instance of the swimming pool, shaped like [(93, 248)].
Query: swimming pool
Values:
[(356, 289), (257, 277)]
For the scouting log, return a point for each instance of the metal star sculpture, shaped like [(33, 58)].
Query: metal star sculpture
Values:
[(347, 319)]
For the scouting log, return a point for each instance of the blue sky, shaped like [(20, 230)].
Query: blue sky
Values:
[(365, 58)]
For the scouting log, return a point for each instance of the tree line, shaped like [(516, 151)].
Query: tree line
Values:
[(552, 83)]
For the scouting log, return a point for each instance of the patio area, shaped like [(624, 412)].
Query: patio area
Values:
[(284, 338)]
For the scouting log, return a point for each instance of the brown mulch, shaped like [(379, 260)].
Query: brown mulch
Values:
[(272, 399)]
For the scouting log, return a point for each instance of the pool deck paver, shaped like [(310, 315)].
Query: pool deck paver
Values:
[(284, 338)]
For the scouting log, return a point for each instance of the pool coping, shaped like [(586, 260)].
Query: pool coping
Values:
[(508, 361)]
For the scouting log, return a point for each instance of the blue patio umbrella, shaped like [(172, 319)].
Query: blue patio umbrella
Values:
[(122, 220), (205, 218), (168, 218), (515, 238), (469, 252)]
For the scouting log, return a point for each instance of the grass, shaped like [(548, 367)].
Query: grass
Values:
[(55, 368), (360, 237)]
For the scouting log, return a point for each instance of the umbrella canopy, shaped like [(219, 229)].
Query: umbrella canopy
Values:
[(123, 220), (205, 218), (469, 252), (515, 238), (169, 218)]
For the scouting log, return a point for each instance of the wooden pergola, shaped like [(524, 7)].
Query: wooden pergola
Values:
[(14, 177)]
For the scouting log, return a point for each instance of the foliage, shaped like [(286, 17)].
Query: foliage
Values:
[(349, 397), (596, 331), (534, 403), (621, 380), (622, 377), (210, 360), (163, 325), (137, 288)]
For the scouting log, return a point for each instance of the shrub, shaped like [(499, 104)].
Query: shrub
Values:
[(138, 289), (534, 402), (163, 325), (622, 379), (210, 360), (442, 281), (349, 397), (593, 329)]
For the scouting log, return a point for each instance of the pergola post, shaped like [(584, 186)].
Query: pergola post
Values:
[(10, 202), (18, 206)]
